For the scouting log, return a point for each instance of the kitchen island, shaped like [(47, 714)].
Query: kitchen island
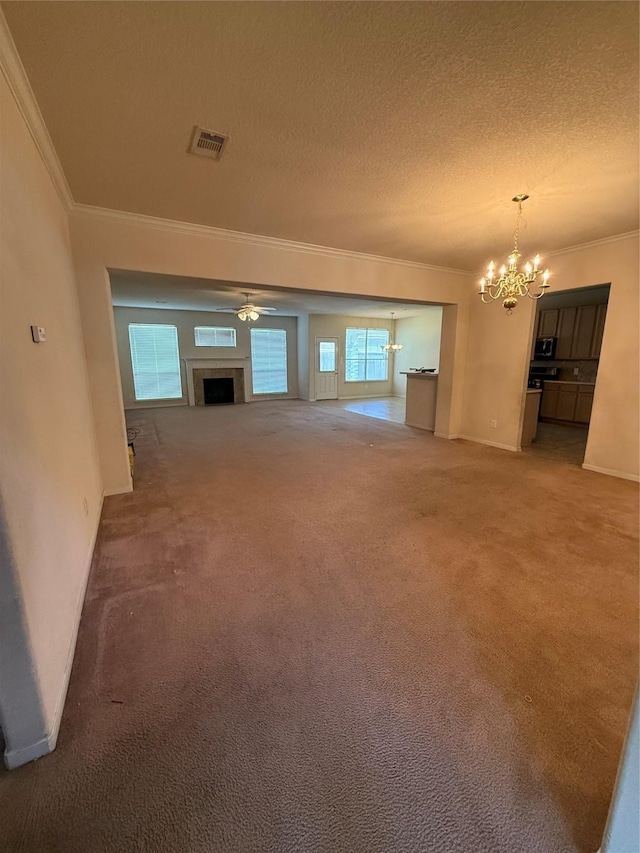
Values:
[(422, 393)]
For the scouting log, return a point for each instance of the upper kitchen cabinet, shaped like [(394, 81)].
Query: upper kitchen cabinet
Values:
[(601, 313), (578, 330), (566, 327), (585, 326), (548, 323)]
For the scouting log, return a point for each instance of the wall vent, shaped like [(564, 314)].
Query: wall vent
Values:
[(208, 143)]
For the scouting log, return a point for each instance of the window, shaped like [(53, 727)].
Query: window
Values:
[(269, 361), (215, 336), (155, 361), (326, 357), (365, 360)]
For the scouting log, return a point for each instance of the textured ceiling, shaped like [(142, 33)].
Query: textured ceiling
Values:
[(150, 290), (399, 129)]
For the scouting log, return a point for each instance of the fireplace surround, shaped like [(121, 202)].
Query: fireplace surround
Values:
[(197, 370)]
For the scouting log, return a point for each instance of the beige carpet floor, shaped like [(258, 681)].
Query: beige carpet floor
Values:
[(310, 631)]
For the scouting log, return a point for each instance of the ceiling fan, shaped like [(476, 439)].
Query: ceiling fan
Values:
[(248, 311)]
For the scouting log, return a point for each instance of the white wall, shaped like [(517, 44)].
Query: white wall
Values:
[(303, 356), (335, 326), (50, 486), (105, 240), (622, 832), (185, 321), (499, 349), (420, 339)]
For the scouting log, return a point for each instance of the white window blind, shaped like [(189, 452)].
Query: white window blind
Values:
[(365, 360), (215, 336), (155, 361), (269, 361)]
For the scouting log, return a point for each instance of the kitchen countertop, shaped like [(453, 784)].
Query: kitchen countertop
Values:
[(419, 375), (534, 390), (569, 382)]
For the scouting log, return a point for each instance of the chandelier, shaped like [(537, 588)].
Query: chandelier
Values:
[(391, 347), (512, 283)]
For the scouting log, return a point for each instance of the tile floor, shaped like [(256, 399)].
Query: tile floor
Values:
[(561, 442), (383, 408)]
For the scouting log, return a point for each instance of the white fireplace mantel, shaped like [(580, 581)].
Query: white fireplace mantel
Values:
[(192, 364)]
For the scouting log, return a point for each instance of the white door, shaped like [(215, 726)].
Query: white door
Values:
[(326, 368)]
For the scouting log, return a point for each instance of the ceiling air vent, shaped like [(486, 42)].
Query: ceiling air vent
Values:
[(208, 143)]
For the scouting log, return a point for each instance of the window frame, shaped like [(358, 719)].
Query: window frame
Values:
[(232, 329), (281, 393), (133, 358), (367, 356)]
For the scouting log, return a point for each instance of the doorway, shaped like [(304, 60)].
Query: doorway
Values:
[(563, 371), (326, 368)]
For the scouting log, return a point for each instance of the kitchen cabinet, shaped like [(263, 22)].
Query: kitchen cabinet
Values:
[(584, 330), (530, 421), (549, 402), (548, 323), (578, 330), (566, 407), (566, 326), (596, 346), (584, 404), (570, 402)]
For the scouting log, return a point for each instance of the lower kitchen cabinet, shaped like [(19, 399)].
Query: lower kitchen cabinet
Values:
[(569, 402), (584, 404), (566, 407)]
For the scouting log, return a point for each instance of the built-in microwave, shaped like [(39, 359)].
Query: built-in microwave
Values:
[(545, 348)]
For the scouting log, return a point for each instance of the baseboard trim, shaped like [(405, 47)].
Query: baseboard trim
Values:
[(108, 493), (497, 444), (52, 737), (363, 397), (448, 437), (17, 757), (635, 478), (420, 426)]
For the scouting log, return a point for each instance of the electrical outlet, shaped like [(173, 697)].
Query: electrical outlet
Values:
[(494, 424), (576, 371)]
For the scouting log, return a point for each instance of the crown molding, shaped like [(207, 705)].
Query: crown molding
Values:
[(603, 241), (176, 226), (18, 83)]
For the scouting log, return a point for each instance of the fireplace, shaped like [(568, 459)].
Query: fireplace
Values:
[(215, 386), (218, 391)]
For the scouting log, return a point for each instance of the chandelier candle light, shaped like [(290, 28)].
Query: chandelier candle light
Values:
[(512, 283), (391, 347)]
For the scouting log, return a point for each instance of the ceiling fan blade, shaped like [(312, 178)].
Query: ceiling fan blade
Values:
[(262, 308)]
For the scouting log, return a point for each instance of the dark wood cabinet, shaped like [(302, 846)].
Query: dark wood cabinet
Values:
[(596, 346), (566, 401), (566, 326), (549, 402), (548, 323), (578, 330), (584, 404), (566, 409), (584, 330)]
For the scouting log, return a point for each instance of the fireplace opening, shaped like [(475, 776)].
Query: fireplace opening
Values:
[(217, 392)]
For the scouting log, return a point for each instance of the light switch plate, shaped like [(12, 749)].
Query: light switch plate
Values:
[(38, 334)]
